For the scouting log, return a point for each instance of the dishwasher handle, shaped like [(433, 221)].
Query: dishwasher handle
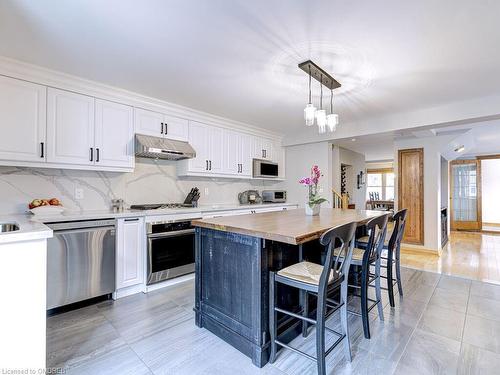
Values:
[(85, 230)]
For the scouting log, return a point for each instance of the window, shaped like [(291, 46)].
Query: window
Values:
[(380, 182)]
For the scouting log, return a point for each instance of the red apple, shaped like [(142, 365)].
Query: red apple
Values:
[(54, 202)]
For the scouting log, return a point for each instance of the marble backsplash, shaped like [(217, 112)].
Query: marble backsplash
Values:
[(153, 181)]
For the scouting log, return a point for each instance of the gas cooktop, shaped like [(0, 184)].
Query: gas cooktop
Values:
[(159, 206)]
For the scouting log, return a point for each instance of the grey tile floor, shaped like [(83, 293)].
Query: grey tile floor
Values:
[(444, 325)]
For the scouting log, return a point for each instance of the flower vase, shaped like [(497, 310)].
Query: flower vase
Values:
[(314, 210)]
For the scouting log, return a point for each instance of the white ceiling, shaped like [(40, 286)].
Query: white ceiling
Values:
[(238, 59)]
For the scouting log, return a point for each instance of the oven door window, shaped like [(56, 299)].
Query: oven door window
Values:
[(171, 252)]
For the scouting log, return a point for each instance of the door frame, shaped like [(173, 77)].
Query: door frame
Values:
[(468, 225), (421, 187)]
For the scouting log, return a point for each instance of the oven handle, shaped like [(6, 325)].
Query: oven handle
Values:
[(171, 234)]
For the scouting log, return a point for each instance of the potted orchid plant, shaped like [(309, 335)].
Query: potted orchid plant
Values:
[(313, 204)]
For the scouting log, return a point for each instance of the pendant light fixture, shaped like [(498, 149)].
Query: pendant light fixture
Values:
[(323, 121), (332, 119), (321, 113), (310, 109)]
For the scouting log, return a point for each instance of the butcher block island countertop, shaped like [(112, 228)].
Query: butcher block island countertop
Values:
[(292, 227)]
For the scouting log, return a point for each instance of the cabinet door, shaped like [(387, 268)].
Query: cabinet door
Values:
[(114, 134), (149, 122), (175, 128), (231, 158), (22, 120), (257, 148), (130, 252), (246, 155), (267, 146), (70, 128), (216, 136), (199, 139)]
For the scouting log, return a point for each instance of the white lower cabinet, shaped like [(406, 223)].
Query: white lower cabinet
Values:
[(130, 252)]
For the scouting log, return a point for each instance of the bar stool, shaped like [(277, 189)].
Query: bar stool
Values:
[(312, 278), (365, 258), (395, 232)]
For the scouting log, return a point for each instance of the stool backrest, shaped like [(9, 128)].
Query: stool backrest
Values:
[(340, 263), (377, 229), (399, 219)]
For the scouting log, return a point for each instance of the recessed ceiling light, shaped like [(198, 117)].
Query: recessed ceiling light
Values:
[(353, 139), (460, 148)]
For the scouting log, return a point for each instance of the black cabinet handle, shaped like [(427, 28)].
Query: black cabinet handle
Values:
[(97, 158), (206, 167), (135, 219), (91, 154), (162, 128), (42, 153), (166, 128), (210, 164)]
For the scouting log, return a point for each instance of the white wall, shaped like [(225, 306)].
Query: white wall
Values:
[(432, 184), (151, 182), (356, 161), (490, 184), (299, 160)]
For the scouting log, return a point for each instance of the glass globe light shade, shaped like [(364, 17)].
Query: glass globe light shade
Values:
[(309, 112), (332, 120), (321, 120)]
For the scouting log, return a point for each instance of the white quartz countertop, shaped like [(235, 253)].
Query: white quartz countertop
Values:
[(29, 230), (32, 227)]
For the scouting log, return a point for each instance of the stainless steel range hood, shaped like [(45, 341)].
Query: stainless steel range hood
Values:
[(161, 148)]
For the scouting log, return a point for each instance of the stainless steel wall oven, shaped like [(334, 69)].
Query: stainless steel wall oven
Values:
[(170, 249)]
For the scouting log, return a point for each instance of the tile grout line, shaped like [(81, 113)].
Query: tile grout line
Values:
[(416, 325), (127, 343), (465, 318)]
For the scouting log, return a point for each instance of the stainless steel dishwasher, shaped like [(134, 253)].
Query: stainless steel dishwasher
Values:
[(80, 261)]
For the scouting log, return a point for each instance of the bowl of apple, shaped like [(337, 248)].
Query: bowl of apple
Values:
[(45, 206)]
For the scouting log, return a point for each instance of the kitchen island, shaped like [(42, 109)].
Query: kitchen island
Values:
[(234, 255)]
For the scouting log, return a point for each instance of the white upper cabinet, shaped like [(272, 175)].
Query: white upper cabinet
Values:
[(148, 122), (216, 136), (175, 128), (231, 161), (208, 142), (262, 148), (237, 159), (22, 120), (70, 128), (246, 156), (199, 140), (114, 134), (160, 125)]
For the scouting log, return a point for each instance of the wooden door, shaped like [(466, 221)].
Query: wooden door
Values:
[(411, 192), (465, 195), (114, 134), (22, 120), (70, 128)]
